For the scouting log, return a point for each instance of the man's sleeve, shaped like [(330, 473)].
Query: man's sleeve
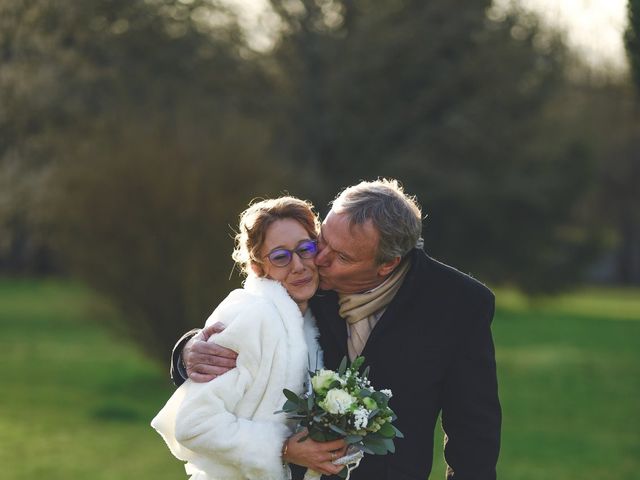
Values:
[(178, 371), (471, 413)]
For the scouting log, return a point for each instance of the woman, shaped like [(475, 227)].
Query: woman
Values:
[(227, 429)]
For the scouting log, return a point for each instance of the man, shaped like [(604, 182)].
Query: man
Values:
[(422, 326)]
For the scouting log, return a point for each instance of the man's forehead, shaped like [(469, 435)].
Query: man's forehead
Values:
[(340, 221), (354, 239)]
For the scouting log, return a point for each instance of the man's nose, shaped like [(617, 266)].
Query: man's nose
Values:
[(322, 258)]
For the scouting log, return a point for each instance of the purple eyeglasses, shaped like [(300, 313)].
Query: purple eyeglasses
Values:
[(281, 257)]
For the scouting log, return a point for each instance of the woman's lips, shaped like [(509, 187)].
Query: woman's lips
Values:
[(301, 282)]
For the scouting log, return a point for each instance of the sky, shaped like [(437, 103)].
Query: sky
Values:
[(594, 28)]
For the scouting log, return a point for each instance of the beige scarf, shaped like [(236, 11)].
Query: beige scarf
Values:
[(361, 310)]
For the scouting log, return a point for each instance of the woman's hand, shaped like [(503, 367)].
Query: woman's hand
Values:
[(315, 455)]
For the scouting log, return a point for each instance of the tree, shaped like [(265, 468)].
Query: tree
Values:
[(81, 68), (621, 174), (136, 129), (632, 40), (463, 108)]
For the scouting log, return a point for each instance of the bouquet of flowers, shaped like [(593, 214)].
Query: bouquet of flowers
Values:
[(343, 404)]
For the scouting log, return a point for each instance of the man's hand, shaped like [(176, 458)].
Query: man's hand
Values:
[(315, 455), (205, 361)]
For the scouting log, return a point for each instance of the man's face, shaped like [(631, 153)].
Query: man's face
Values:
[(346, 257)]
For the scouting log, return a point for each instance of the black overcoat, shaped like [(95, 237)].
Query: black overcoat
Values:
[(433, 348)]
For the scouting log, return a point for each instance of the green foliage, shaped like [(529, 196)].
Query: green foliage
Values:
[(147, 222), (323, 424), (569, 371), (141, 152), (621, 176), (465, 114), (132, 133), (79, 398), (632, 40)]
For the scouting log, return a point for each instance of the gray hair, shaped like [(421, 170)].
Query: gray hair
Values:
[(395, 215)]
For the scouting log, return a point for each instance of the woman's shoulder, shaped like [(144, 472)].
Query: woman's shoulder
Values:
[(261, 295), (242, 304), (250, 315)]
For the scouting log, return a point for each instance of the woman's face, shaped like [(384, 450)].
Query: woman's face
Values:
[(300, 276)]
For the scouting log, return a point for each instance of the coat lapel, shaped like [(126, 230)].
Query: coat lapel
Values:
[(393, 315)]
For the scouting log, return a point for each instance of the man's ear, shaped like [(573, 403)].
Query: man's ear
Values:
[(388, 267)]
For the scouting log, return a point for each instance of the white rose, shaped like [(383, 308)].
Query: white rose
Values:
[(337, 401), (322, 380)]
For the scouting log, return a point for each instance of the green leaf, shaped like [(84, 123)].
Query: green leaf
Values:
[(387, 430), (366, 449), (343, 473), (338, 430), (334, 384), (399, 434), (318, 436), (292, 397), (389, 445), (373, 413), (365, 392), (365, 374), (357, 363), (380, 398), (290, 406), (376, 445), (351, 439), (343, 366)]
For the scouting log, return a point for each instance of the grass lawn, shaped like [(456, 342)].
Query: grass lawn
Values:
[(76, 402), (569, 379)]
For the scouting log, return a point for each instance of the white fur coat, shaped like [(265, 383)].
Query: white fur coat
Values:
[(226, 429)]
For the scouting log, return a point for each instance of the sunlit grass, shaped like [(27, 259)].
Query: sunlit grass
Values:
[(569, 374), (76, 401), (601, 303), (569, 370)]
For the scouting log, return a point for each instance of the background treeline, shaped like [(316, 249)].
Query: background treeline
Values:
[(133, 132)]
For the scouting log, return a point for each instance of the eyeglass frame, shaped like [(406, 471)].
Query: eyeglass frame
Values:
[(290, 253)]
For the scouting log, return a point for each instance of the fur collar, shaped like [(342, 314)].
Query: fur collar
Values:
[(293, 321)]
